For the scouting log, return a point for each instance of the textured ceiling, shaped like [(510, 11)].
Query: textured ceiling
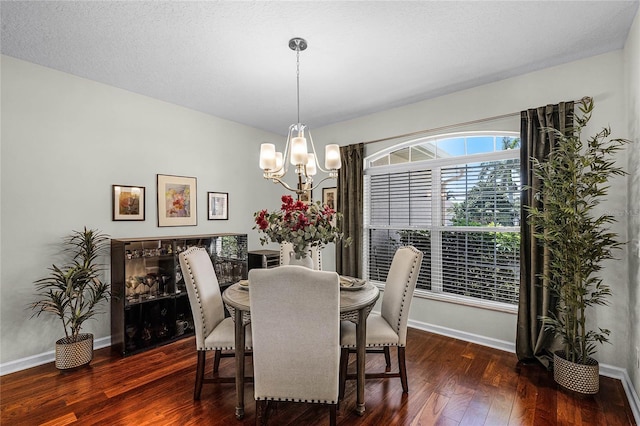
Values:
[(231, 59)]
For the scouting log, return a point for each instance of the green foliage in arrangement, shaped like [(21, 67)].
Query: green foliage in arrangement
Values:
[(573, 183), (301, 224), (73, 291)]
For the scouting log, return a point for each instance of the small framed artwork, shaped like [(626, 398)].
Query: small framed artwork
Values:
[(177, 201), (218, 205), (330, 197), (127, 202), (306, 196)]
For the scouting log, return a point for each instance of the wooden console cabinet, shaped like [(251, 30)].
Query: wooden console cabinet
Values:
[(150, 305)]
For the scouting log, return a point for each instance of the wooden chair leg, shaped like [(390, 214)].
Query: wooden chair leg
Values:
[(199, 374), (261, 412), (403, 369), (387, 358), (332, 414), (342, 378), (216, 360)]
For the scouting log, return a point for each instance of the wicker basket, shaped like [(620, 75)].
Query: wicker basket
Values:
[(581, 378), (71, 354)]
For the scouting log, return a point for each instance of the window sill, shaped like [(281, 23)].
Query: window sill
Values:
[(449, 298)]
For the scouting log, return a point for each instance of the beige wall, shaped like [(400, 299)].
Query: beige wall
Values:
[(65, 141), (632, 68)]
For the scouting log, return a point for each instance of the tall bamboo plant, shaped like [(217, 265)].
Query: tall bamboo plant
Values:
[(73, 291), (573, 183)]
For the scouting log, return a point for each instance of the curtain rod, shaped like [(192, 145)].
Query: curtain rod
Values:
[(450, 126)]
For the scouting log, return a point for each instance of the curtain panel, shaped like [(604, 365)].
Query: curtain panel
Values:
[(350, 191), (533, 342)]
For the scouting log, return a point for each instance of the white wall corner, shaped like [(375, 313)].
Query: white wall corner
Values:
[(622, 375)]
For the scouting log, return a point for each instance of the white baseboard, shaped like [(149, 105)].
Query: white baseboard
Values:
[(622, 375), (605, 369), (463, 335), (43, 358)]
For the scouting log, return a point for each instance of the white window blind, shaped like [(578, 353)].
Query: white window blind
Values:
[(463, 215), (401, 199)]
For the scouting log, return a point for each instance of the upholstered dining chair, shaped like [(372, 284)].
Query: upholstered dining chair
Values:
[(286, 248), (214, 332), (389, 328), (295, 320)]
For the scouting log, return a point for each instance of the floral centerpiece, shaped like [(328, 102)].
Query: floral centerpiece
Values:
[(303, 225)]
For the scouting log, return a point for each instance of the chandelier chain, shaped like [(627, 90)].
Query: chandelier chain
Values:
[(298, 80)]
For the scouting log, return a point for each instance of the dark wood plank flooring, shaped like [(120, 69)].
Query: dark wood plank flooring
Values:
[(451, 382)]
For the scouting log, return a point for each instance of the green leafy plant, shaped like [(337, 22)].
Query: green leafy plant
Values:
[(303, 225), (73, 291), (573, 182)]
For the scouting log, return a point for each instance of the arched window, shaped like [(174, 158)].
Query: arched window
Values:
[(456, 197)]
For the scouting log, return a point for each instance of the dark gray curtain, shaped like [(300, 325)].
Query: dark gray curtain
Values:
[(532, 340), (350, 204)]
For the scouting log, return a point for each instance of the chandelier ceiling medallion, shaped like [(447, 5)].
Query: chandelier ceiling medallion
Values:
[(275, 164)]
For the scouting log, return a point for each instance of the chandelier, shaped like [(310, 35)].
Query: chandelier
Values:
[(275, 164)]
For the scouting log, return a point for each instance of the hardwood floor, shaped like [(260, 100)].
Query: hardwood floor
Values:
[(451, 382)]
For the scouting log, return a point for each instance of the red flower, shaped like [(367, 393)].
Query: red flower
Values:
[(284, 225), (261, 220)]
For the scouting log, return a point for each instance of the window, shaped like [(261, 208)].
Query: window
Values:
[(456, 198)]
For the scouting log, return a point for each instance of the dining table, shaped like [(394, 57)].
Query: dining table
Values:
[(355, 304)]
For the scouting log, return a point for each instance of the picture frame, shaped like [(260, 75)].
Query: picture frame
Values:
[(127, 203), (330, 197), (218, 206), (307, 196), (177, 200)]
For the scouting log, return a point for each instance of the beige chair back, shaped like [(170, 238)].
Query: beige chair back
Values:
[(295, 315), (398, 290), (203, 290), (287, 248)]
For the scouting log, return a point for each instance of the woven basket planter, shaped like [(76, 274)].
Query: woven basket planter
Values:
[(71, 354), (581, 378)]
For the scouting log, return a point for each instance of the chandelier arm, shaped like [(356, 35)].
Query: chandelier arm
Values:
[(278, 180), (311, 188), (296, 190), (285, 155), (287, 149), (313, 148)]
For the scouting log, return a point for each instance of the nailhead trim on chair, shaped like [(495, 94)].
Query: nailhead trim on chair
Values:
[(404, 294), (195, 287), (375, 345), (404, 297), (313, 401)]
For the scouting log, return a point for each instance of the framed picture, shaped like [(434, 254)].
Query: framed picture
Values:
[(127, 202), (177, 201), (330, 197), (218, 205), (306, 196)]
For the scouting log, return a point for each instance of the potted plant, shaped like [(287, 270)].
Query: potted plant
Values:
[(72, 292), (301, 224), (573, 182)]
